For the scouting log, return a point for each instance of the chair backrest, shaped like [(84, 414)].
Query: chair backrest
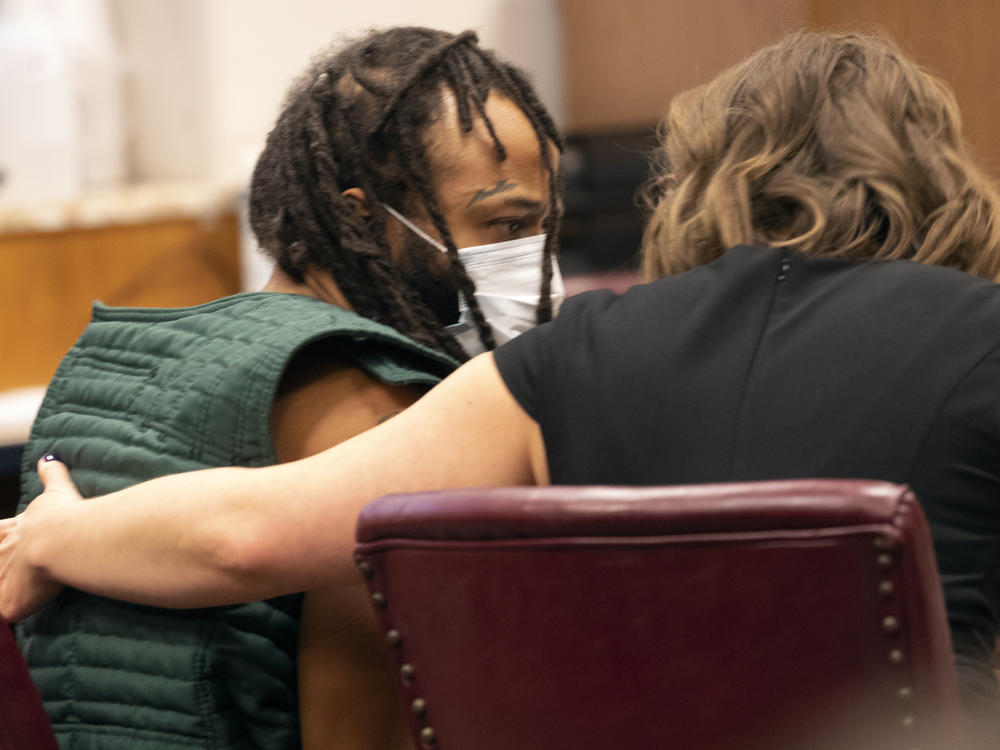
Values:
[(24, 724), (757, 615)]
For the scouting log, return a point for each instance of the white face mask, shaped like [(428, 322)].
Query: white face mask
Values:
[(508, 276)]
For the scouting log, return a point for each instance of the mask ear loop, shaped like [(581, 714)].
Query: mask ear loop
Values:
[(414, 228), (423, 235)]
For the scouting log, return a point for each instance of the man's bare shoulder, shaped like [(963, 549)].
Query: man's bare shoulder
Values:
[(324, 399)]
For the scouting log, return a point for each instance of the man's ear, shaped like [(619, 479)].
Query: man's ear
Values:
[(357, 198)]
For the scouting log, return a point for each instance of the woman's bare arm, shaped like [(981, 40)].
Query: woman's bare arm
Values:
[(218, 536)]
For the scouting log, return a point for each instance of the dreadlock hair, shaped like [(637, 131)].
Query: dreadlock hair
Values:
[(357, 118)]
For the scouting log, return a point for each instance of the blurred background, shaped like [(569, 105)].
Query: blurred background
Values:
[(128, 129)]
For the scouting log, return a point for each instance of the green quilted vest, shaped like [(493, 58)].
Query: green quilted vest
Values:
[(147, 392)]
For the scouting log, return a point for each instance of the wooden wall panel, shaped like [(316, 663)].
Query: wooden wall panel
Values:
[(956, 40), (626, 59), (49, 279)]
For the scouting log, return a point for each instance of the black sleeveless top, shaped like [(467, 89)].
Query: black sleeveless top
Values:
[(767, 364)]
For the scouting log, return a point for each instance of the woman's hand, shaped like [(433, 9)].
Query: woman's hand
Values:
[(24, 587)]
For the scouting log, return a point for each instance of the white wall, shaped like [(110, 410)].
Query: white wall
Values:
[(207, 77)]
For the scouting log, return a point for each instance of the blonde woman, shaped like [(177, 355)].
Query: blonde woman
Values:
[(827, 307)]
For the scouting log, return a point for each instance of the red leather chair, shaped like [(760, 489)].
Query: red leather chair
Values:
[(23, 722), (761, 615)]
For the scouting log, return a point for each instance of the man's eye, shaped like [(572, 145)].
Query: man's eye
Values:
[(515, 227), (508, 227)]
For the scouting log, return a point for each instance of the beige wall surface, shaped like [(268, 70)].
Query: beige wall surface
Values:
[(206, 78)]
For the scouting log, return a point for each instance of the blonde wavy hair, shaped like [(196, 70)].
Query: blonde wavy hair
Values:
[(828, 144)]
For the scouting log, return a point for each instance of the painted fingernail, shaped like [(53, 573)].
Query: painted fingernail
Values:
[(51, 457)]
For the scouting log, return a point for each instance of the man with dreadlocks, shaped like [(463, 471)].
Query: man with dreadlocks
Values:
[(408, 172)]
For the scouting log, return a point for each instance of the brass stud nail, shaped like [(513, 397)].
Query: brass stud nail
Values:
[(886, 588), (394, 637), (407, 672), (883, 542), (419, 706), (427, 737), (908, 722), (366, 568), (895, 656), (905, 693), (884, 560), (379, 600), (890, 624)]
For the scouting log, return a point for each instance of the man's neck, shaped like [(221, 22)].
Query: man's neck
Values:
[(316, 284)]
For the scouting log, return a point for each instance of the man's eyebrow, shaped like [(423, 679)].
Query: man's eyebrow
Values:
[(501, 187), (516, 202)]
